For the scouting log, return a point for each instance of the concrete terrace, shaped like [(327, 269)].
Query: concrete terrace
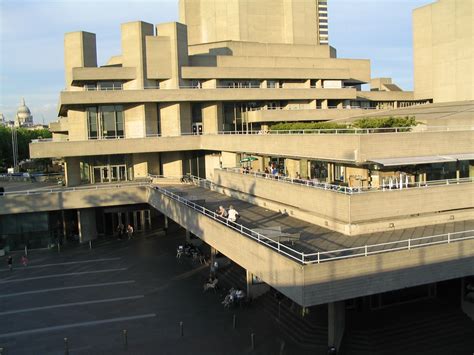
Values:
[(313, 238)]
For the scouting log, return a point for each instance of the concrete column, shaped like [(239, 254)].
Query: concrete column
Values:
[(212, 117), (319, 84), (188, 236), (79, 51), (336, 323), (229, 160), (72, 171), (172, 164), (87, 224), (292, 167), (175, 119), (324, 104), (340, 105), (330, 177), (134, 51), (255, 290), (209, 84)]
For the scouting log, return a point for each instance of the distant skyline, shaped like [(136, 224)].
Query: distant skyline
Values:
[(32, 34)]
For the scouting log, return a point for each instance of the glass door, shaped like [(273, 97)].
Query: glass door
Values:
[(114, 173)]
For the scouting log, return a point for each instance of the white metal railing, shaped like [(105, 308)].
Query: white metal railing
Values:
[(109, 186), (347, 189), (321, 256), (289, 251), (333, 131)]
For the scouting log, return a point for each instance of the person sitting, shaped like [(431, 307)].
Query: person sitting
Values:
[(233, 215), (222, 212), (211, 284)]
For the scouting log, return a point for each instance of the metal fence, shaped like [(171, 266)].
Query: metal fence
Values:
[(347, 189), (330, 131)]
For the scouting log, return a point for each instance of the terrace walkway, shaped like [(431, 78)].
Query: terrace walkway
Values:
[(313, 238)]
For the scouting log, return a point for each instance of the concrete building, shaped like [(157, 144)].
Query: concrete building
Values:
[(288, 21), (443, 48), (344, 213)]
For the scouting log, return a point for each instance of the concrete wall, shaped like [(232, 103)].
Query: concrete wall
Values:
[(443, 44), (87, 224), (266, 21), (79, 51), (357, 213), (72, 172), (65, 200)]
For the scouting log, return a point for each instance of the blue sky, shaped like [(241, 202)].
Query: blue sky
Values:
[(31, 40)]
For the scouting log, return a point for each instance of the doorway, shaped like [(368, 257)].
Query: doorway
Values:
[(109, 173)]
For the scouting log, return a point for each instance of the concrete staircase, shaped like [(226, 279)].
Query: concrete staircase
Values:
[(431, 328)]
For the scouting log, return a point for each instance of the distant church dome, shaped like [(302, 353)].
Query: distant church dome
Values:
[(23, 115)]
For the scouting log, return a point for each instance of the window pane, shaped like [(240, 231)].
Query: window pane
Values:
[(92, 122), (119, 123), (108, 121)]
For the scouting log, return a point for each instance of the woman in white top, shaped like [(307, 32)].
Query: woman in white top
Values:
[(232, 213)]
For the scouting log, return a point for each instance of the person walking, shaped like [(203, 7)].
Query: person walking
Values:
[(130, 231), (232, 213), (120, 230), (24, 261), (10, 262)]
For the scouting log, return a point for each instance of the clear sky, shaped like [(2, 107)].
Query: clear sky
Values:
[(31, 40)]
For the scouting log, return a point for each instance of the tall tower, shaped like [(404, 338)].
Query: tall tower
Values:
[(323, 21), (263, 21)]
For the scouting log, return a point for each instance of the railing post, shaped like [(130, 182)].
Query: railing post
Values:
[(318, 257), (302, 257), (449, 238), (409, 244), (365, 248)]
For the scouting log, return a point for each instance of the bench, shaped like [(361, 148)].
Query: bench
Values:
[(276, 234)]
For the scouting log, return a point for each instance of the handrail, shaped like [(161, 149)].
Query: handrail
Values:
[(329, 131), (321, 256), (347, 189), (300, 257), (75, 188)]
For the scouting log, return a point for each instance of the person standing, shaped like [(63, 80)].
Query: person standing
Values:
[(120, 230), (233, 214), (10, 262), (130, 231), (24, 261)]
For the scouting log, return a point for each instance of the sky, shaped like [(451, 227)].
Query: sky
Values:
[(32, 33)]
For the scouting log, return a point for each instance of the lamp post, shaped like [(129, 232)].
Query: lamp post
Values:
[(15, 149)]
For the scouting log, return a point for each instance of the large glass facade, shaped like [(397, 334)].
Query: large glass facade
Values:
[(105, 122)]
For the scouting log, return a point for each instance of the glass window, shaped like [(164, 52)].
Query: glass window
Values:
[(92, 122), (119, 121), (107, 114)]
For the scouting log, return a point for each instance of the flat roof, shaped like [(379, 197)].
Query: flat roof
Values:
[(423, 159)]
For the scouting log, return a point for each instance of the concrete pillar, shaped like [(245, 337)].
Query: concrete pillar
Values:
[(72, 171), (212, 162), (324, 104), (319, 84), (212, 117), (209, 84), (172, 164), (166, 223), (336, 323), (87, 224), (188, 236), (175, 119), (229, 160), (330, 177), (178, 35), (254, 289), (292, 167), (340, 105), (134, 51), (79, 51)]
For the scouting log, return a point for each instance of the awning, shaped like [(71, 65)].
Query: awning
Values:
[(431, 159)]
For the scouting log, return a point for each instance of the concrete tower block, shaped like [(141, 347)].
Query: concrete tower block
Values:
[(79, 51)]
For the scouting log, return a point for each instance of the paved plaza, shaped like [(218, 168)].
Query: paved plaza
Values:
[(91, 296)]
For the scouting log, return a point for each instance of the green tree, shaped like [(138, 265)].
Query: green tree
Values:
[(24, 138)]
